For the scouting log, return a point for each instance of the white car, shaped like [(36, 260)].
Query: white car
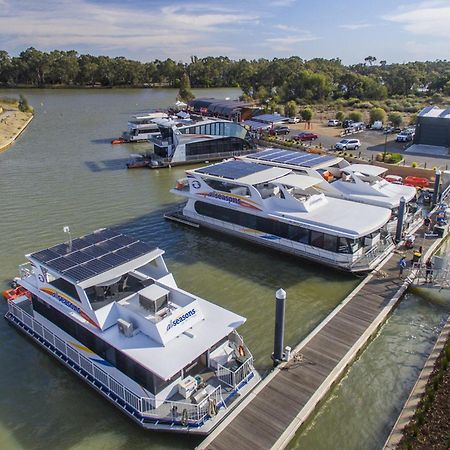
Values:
[(405, 136), (333, 123), (348, 144), (293, 120)]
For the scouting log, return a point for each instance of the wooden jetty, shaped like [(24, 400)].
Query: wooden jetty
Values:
[(273, 412)]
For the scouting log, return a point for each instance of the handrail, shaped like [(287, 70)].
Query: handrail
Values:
[(184, 412)]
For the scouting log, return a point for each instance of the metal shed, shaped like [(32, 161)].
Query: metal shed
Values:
[(433, 127)]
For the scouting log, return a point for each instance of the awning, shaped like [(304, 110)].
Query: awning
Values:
[(366, 169), (298, 181)]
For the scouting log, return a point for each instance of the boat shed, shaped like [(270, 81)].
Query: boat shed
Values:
[(433, 127), (226, 109)]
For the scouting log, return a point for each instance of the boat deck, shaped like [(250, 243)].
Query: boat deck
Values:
[(275, 410)]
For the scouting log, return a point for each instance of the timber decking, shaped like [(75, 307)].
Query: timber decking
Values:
[(283, 401)]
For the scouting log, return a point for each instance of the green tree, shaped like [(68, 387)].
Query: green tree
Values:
[(395, 119), (377, 114), (23, 104), (356, 116), (291, 109), (185, 94), (307, 114)]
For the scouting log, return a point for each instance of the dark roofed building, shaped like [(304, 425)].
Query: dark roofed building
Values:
[(227, 109), (433, 127)]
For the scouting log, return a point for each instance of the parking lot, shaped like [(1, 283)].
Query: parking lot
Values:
[(372, 143)]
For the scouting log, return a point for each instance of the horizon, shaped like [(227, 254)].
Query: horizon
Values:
[(146, 31)]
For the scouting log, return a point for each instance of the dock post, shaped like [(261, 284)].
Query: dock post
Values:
[(437, 184), (279, 326), (400, 218)]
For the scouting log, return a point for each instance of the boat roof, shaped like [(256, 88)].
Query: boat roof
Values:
[(166, 360), (298, 181), (365, 169), (341, 217), (96, 257), (242, 172), (293, 159)]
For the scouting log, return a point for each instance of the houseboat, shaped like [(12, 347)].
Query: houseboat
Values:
[(278, 208), (106, 306), (362, 183), (205, 140), (142, 127)]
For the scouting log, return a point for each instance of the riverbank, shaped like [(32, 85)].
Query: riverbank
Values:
[(12, 123)]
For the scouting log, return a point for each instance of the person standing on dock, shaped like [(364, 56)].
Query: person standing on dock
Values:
[(401, 267), (428, 271)]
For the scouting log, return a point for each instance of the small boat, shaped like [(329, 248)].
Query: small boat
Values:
[(138, 162), (14, 293), (119, 141)]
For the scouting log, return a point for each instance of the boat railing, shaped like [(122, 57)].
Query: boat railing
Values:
[(25, 270), (375, 252), (171, 411), (234, 378), (219, 155)]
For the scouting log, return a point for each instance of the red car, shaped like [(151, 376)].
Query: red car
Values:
[(305, 136)]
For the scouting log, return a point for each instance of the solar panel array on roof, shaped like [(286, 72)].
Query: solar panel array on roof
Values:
[(92, 254), (301, 159), (232, 170)]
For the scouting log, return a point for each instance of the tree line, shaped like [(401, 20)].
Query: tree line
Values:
[(278, 80)]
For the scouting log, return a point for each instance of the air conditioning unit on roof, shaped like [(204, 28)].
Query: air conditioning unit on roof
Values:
[(126, 328)]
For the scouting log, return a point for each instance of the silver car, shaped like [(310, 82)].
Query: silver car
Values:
[(348, 144)]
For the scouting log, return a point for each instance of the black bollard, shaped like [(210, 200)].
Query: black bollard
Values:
[(279, 326), (437, 183), (400, 218)]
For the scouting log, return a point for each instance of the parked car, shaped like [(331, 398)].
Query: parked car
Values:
[(405, 136), (333, 123), (306, 136), (394, 179), (280, 129), (377, 125), (348, 144), (347, 123), (293, 120)]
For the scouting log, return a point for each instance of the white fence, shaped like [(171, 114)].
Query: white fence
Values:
[(172, 411)]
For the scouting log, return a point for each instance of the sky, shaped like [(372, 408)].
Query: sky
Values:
[(391, 30)]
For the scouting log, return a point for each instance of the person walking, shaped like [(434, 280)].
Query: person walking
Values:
[(415, 262), (428, 271), (401, 267)]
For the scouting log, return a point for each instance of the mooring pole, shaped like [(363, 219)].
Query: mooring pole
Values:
[(400, 218), (437, 185), (280, 306)]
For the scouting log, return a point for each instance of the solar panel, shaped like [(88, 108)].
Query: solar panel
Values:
[(97, 266), (232, 170), (302, 159), (113, 259), (80, 257), (92, 254), (45, 255), (62, 263), (78, 273)]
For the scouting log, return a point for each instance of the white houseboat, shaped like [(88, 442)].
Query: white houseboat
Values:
[(106, 307), (142, 127), (275, 207), (210, 139), (362, 183)]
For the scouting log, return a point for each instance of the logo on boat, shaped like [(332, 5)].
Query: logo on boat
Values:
[(62, 300), (182, 318), (229, 199)]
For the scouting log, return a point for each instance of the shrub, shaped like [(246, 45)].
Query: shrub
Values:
[(377, 114), (395, 119), (340, 116), (356, 116), (414, 165)]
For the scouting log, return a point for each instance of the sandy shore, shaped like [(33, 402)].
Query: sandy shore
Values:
[(12, 123)]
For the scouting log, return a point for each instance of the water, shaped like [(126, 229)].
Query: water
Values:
[(63, 171)]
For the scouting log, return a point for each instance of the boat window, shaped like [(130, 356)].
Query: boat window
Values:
[(66, 287), (355, 244), (103, 349), (343, 246), (277, 228)]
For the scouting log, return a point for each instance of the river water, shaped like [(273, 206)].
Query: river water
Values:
[(64, 171)]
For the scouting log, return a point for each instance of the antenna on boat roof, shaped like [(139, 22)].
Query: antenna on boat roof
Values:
[(66, 229)]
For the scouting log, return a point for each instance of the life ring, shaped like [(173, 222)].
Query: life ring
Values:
[(212, 407), (241, 350), (184, 417)]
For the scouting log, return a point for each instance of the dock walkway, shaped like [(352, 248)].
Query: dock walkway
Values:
[(273, 412)]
